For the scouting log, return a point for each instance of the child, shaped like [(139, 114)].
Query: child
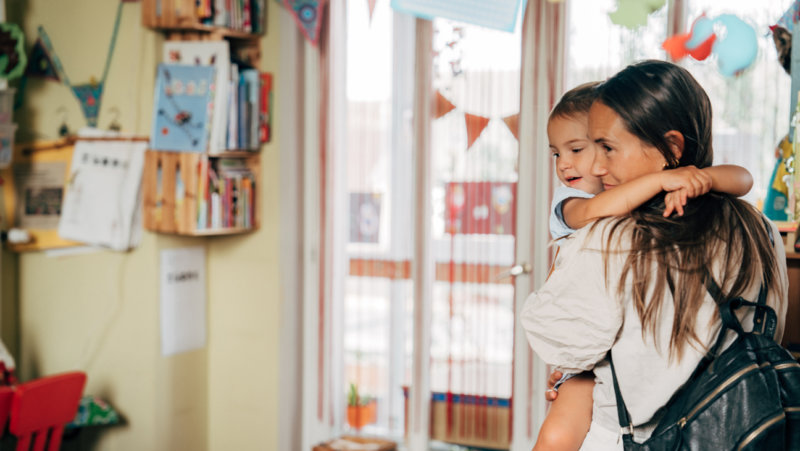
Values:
[(582, 201)]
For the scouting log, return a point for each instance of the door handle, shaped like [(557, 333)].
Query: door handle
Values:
[(516, 270)]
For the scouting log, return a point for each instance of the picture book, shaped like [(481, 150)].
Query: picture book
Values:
[(209, 53), (183, 96)]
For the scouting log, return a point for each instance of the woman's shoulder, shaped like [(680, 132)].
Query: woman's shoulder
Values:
[(606, 234)]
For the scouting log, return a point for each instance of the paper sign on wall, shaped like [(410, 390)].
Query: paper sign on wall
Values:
[(497, 14), (183, 299)]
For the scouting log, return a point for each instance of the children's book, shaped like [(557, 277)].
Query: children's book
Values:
[(183, 96), (209, 53)]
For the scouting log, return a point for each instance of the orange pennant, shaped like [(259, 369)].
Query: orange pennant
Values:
[(475, 126), (676, 46), (512, 122), (442, 106), (371, 4)]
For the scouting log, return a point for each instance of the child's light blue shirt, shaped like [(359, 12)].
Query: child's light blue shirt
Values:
[(558, 227)]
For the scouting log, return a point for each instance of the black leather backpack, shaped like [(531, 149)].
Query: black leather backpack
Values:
[(746, 398)]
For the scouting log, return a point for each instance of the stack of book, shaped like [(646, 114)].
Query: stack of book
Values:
[(238, 106), (226, 194), (241, 15)]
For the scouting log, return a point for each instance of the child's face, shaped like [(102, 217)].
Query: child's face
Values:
[(574, 152)]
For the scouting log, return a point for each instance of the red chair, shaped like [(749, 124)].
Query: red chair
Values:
[(6, 395), (41, 407)]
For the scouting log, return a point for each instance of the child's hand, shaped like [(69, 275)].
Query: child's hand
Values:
[(551, 394), (674, 201), (694, 181)]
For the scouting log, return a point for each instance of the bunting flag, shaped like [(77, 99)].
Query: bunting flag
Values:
[(512, 122), (371, 8), (442, 106), (634, 13), (89, 96), (308, 15), (475, 126), (40, 64)]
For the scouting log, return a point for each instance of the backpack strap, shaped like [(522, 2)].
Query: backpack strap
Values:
[(625, 423)]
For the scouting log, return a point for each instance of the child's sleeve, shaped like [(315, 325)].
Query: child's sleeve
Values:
[(558, 226)]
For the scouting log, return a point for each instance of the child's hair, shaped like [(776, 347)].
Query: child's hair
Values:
[(575, 101)]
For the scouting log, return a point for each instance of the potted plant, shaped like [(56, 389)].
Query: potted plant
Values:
[(361, 410)]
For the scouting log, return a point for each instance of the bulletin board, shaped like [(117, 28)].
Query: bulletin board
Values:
[(32, 192)]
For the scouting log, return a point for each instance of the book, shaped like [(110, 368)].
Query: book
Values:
[(181, 116), (211, 53), (265, 108)]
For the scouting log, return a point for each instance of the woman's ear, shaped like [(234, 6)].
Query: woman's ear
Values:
[(675, 142)]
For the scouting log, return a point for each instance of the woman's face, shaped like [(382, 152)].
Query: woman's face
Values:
[(620, 155)]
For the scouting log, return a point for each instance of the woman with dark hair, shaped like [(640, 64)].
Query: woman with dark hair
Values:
[(634, 286)]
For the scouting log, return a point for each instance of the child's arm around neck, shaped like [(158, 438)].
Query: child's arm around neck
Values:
[(626, 197)]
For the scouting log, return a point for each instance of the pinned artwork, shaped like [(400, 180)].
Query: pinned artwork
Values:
[(730, 39), (12, 51), (308, 15), (633, 13)]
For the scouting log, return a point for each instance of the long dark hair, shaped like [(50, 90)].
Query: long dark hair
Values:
[(653, 98)]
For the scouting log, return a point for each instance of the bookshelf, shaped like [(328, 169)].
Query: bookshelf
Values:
[(213, 192)]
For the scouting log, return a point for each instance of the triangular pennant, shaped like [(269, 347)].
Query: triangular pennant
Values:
[(371, 4), (442, 106), (89, 96), (40, 64), (308, 15), (475, 126), (512, 122)]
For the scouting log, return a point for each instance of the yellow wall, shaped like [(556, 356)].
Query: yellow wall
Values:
[(99, 312)]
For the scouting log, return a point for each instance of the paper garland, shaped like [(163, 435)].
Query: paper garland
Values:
[(308, 16), (474, 123), (12, 51), (88, 94), (634, 13), (40, 63), (731, 40)]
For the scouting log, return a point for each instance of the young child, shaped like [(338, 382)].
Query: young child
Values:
[(581, 201)]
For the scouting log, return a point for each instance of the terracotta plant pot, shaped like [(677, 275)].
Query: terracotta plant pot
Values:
[(359, 416)]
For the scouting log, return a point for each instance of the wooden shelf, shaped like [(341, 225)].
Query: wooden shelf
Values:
[(177, 193), (177, 15)]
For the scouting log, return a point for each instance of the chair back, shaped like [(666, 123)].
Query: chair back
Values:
[(40, 408), (6, 395)]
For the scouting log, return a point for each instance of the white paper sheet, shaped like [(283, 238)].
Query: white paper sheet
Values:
[(183, 299), (103, 194)]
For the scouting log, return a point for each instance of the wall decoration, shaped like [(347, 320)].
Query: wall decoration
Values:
[(512, 122), (442, 106), (40, 63), (692, 44), (475, 126), (497, 14), (732, 41), (12, 51), (633, 13), (88, 94), (308, 16)]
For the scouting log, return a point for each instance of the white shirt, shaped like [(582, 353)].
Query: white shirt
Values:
[(575, 319), (558, 226)]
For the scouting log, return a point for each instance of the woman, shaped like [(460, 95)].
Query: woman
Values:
[(634, 285)]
